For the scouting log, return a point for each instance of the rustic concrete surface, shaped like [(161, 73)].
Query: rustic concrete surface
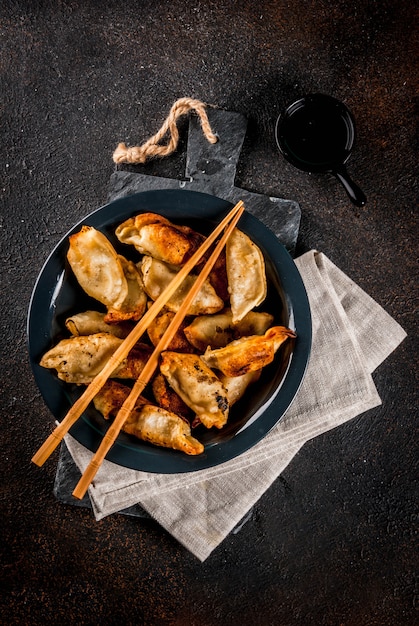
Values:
[(333, 541)]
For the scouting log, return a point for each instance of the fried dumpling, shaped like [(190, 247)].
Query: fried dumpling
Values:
[(246, 274), (160, 324), (219, 329), (92, 322), (158, 426), (247, 354), (168, 399), (236, 385), (97, 267), (79, 359), (156, 277), (156, 236), (146, 421), (198, 387), (112, 396), (135, 302)]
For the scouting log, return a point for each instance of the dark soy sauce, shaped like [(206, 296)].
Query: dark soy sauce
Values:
[(316, 134)]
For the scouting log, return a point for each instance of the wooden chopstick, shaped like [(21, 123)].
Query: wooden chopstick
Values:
[(120, 354), (151, 365)]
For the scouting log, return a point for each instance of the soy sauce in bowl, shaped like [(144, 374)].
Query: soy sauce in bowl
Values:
[(316, 134)]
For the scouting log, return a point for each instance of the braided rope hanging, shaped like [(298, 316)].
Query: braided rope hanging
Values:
[(152, 147)]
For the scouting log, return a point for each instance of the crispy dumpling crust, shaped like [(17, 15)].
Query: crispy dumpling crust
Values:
[(97, 267), (168, 399), (219, 329), (112, 396), (158, 327), (156, 236), (218, 277), (248, 354)]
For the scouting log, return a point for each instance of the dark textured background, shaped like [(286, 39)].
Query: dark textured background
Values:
[(333, 540)]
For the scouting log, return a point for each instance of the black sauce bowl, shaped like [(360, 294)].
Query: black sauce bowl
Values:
[(316, 134)]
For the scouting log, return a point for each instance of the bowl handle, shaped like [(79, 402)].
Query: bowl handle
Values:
[(356, 195)]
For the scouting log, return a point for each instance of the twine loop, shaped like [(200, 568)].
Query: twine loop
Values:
[(153, 147)]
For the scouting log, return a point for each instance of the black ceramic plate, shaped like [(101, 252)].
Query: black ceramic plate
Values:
[(56, 296)]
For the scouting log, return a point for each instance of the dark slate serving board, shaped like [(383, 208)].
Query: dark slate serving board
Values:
[(211, 168)]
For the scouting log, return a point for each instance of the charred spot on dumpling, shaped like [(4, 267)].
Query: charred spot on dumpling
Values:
[(222, 402)]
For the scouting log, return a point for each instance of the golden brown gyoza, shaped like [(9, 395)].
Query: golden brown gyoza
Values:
[(92, 322), (156, 236), (79, 359), (157, 275), (107, 276), (248, 354), (112, 396), (219, 329), (198, 387), (148, 422), (245, 273), (158, 327), (135, 302), (97, 267)]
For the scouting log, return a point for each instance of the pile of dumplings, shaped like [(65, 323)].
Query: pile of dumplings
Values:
[(220, 349)]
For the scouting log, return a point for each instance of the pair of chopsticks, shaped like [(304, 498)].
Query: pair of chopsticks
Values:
[(228, 223)]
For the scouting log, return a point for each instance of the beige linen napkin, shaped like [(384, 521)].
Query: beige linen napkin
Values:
[(352, 335)]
